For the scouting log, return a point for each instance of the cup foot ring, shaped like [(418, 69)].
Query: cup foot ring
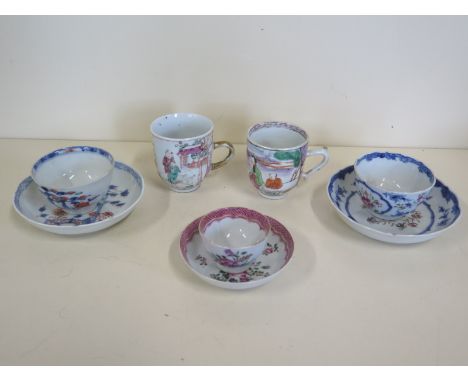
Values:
[(272, 197)]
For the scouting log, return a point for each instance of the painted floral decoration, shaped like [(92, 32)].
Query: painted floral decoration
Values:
[(233, 259), (70, 199), (256, 270), (412, 220), (368, 201), (60, 216), (201, 260), (270, 248)]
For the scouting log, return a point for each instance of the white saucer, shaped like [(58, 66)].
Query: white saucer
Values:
[(430, 219), (124, 194), (265, 268)]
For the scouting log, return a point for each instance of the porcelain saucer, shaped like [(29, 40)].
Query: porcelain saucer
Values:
[(124, 193), (266, 267), (439, 212)]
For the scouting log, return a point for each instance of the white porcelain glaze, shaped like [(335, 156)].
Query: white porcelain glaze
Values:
[(234, 233), (234, 236), (75, 178), (183, 148), (278, 137), (392, 184), (73, 170), (122, 196)]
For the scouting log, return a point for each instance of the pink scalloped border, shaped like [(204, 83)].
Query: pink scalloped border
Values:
[(280, 230), (235, 212), (276, 227), (187, 235)]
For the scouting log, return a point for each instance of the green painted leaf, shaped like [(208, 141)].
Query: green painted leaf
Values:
[(289, 155)]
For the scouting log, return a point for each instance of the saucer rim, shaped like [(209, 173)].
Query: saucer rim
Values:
[(388, 234), (241, 285), (65, 228)]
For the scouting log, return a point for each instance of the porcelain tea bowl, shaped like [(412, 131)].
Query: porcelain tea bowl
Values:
[(234, 236), (392, 185), (74, 178)]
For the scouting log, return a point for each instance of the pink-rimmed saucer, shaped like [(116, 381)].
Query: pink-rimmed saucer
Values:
[(266, 267)]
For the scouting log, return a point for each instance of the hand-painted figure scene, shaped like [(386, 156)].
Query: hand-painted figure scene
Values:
[(273, 171), (186, 164)]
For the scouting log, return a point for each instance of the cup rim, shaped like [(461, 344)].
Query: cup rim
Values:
[(406, 158), (277, 124), (221, 213), (166, 116), (68, 150)]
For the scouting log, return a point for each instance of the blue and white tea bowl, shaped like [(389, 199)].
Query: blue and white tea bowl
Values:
[(433, 217), (74, 178), (392, 185)]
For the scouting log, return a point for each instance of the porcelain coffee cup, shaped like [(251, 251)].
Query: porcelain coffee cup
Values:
[(276, 154), (74, 178), (183, 148), (234, 236), (392, 185)]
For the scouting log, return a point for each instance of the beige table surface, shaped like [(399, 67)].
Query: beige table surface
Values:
[(123, 295)]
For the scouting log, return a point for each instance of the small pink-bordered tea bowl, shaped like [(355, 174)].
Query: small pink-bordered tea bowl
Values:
[(234, 236)]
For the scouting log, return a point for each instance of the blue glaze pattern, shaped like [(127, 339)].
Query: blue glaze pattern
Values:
[(440, 210), (131, 171), (61, 216), (20, 190), (72, 149), (79, 197), (116, 198), (69, 199), (398, 157), (388, 204)]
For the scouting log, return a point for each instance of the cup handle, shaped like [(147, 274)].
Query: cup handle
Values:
[(221, 163), (310, 153)]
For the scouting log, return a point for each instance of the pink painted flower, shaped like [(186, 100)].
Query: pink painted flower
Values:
[(227, 262), (367, 203), (268, 250)]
